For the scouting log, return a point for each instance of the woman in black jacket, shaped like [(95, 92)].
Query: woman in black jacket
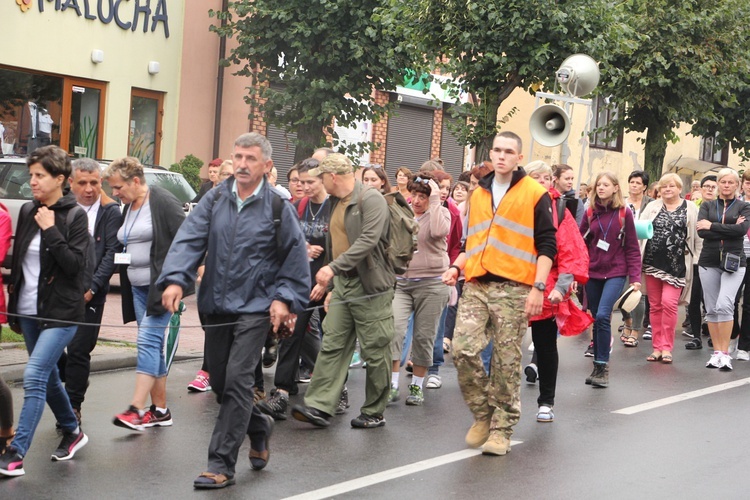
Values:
[(723, 224), (47, 290)]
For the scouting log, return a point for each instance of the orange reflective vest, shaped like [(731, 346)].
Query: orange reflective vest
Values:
[(502, 243)]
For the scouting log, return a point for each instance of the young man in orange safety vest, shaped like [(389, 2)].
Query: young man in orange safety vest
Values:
[(509, 250)]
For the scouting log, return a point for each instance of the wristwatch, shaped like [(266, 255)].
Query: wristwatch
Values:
[(540, 286)]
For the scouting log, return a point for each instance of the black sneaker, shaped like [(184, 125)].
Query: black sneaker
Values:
[(343, 402), (311, 416), (69, 445), (11, 463), (304, 376), (155, 418), (589, 351), (647, 333), (531, 373), (368, 421), (270, 355), (694, 345), (275, 406)]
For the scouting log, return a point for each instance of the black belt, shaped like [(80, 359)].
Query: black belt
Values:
[(350, 274)]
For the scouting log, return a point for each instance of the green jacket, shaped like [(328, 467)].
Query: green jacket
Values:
[(368, 240)]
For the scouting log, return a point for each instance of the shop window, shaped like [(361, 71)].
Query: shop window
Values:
[(710, 152), (604, 113), (84, 137), (31, 111), (146, 111)]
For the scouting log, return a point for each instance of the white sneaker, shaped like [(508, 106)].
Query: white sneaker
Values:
[(545, 414), (715, 360), (733, 345), (434, 382), (725, 363), (741, 355)]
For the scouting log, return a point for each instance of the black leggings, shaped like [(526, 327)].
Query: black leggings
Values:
[(6, 406), (544, 336)]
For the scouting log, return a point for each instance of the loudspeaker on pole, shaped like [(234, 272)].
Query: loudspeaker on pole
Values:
[(549, 125)]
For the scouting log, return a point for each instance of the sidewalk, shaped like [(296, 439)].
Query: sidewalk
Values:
[(116, 347)]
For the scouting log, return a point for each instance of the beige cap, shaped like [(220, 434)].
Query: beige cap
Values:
[(334, 163)]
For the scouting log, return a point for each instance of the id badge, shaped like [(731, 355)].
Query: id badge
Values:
[(603, 245), (122, 258)]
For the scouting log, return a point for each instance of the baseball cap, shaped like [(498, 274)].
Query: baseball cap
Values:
[(334, 163)]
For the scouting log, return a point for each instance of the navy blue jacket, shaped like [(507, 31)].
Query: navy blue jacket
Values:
[(106, 245), (245, 268)]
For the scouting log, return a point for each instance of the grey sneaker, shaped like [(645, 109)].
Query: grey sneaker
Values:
[(275, 406), (394, 395), (415, 397), (343, 402)]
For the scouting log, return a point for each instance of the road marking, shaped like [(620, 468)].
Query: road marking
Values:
[(682, 397), (381, 477)]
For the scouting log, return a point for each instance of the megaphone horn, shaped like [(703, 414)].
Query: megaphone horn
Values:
[(549, 125)]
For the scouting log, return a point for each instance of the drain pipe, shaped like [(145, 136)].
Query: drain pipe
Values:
[(220, 84)]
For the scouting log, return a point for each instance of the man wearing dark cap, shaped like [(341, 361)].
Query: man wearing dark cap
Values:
[(362, 282), (213, 179)]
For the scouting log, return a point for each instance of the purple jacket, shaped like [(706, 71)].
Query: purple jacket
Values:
[(619, 260)]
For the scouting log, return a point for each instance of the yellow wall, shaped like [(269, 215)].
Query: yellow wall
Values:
[(200, 64), (598, 160), (61, 42)]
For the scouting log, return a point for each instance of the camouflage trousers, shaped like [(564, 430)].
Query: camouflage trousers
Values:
[(491, 311)]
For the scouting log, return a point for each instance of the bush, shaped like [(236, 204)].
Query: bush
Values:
[(190, 168)]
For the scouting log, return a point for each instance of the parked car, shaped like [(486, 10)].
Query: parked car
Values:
[(15, 189)]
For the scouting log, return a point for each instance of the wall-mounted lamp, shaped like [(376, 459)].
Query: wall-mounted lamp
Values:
[(153, 67), (97, 56)]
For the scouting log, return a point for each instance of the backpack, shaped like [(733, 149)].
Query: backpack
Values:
[(621, 236), (402, 236)]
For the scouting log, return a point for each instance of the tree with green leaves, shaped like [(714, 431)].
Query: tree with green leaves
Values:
[(190, 168), (313, 61), (494, 47), (684, 64)]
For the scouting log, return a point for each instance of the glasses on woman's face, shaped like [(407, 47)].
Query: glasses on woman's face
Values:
[(294, 181), (224, 175)]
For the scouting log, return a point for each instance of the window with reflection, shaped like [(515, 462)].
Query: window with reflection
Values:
[(30, 111)]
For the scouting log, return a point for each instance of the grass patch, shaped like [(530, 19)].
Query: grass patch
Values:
[(8, 335)]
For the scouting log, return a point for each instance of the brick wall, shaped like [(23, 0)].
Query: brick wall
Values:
[(437, 133), (380, 130)]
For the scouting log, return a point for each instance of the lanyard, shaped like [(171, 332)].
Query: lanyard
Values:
[(599, 220), (723, 215), (726, 209), (126, 232)]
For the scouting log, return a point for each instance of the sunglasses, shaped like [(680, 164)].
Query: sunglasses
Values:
[(422, 181)]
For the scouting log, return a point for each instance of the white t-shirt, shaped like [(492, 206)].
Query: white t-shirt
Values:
[(498, 192), (91, 212), (32, 267)]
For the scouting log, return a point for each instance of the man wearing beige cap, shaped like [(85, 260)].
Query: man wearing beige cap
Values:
[(362, 282)]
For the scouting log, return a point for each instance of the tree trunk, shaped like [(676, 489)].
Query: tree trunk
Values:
[(309, 137), (655, 150)]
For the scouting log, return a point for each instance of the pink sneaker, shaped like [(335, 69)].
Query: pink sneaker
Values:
[(201, 382)]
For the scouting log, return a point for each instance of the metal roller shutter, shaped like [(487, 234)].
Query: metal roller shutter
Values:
[(408, 140), (283, 151), (451, 152)]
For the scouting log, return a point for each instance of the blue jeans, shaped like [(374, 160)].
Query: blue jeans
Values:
[(602, 295), (151, 336), (438, 356), (41, 381)]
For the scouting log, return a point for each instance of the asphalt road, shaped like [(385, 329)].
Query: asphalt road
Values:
[(686, 448)]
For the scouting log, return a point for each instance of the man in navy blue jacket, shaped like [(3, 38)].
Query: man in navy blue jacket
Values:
[(105, 219), (256, 270)]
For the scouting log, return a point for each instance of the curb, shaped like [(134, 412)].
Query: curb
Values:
[(13, 374)]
